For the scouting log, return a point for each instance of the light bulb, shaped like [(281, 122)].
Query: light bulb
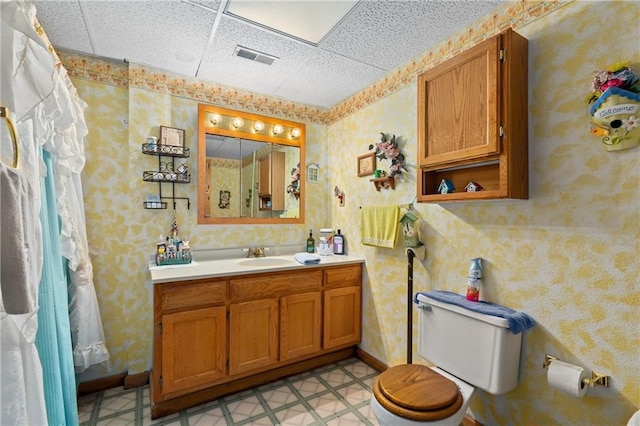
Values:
[(295, 132), (237, 122), (258, 125), (214, 118), (277, 129)]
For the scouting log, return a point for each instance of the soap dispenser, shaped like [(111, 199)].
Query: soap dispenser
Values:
[(311, 243), (474, 279)]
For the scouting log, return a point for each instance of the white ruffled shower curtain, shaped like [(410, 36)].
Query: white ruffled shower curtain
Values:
[(48, 115)]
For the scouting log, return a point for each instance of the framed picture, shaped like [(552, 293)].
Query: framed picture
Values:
[(170, 136), (225, 196), (367, 164)]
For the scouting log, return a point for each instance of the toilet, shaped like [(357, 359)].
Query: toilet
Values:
[(469, 349)]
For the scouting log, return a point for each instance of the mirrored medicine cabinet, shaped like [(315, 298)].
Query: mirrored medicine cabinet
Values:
[(250, 168)]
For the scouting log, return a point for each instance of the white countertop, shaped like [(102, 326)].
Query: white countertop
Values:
[(199, 269)]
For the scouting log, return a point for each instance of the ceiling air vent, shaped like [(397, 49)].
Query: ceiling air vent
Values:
[(253, 55)]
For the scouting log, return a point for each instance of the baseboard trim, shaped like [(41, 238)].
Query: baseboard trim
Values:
[(178, 403), (101, 384), (136, 380), (126, 380), (470, 421), (376, 364), (370, 360)]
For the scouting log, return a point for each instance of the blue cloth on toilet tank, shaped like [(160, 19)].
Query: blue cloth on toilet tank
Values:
[(518, 321)]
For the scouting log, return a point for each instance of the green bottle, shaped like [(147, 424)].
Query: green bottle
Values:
[(311, 243)]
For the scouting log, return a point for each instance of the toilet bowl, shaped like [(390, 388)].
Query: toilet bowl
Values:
[(411, 395)]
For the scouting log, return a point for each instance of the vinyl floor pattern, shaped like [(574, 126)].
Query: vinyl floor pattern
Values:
[(336, 394)]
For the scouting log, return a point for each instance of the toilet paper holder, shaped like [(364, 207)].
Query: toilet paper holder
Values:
[(596, 378)]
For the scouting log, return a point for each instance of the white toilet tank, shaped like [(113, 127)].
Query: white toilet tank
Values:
[(477, 348)]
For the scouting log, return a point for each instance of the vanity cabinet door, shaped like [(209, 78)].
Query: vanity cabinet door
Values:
[(300, 324), (253, 339), (194, 349), (342, 310)]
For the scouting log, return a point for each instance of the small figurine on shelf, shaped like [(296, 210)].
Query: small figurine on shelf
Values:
[(174, 227), (473, 187), (446, 186)]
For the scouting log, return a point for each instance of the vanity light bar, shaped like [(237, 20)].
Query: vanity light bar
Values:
[(257, 126)]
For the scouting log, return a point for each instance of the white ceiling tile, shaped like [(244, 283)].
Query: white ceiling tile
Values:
[(222, 66), (325, 79), (306, 20), (389, 33), (168, 35), (210, 4), (64, 25), (375, 37)]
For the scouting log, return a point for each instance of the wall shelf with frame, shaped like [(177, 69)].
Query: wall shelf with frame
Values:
[(386, 182), (167, 173)]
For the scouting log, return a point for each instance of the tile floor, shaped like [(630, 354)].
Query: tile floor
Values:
[(336, 394)]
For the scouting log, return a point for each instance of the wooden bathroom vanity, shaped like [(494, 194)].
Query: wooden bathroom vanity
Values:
[(231, 331)]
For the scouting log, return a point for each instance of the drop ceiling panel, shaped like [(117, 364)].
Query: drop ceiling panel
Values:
[(333, 78), (374, 38), (211, 4), (220, 65), (168, 35), (390, 33), (64, 25), (306, 20)]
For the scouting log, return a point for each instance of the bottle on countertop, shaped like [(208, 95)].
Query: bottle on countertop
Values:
[(311, 243), (338, 243), (474, 279)]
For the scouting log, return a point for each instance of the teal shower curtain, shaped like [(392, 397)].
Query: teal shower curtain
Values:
[(53, 339)]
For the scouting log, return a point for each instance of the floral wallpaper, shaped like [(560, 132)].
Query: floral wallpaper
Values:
[(567, 256)]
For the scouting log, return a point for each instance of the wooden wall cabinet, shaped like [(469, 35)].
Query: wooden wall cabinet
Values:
[(472, 123), (216, 336), (271, 181)]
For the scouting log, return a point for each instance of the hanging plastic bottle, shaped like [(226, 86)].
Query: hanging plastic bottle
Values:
[(474, 279)]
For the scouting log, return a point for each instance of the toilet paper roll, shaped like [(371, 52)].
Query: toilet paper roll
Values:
[(567, 378)]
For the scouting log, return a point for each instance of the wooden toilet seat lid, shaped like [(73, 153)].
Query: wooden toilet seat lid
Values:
[(417, 392)]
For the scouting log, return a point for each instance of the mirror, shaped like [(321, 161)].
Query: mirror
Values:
[(249, 168)]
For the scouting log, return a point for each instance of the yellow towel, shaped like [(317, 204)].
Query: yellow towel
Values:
[(379, 226)]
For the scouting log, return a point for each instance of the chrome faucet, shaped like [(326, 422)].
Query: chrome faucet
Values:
[(256, 252)]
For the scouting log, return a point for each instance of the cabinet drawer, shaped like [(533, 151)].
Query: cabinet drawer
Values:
[(273, 285), (343, 277), (179, 296)]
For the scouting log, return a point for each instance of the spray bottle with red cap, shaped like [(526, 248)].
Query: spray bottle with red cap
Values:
[(474, 279)]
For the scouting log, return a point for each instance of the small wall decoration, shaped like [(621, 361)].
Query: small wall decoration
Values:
[(410, 225), (171, 136), (367, 164), (339, 194), (387, 149), (225, 197), (615, 107), (313, 172)]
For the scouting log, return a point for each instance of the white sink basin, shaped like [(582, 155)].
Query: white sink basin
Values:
[(265, 261)]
